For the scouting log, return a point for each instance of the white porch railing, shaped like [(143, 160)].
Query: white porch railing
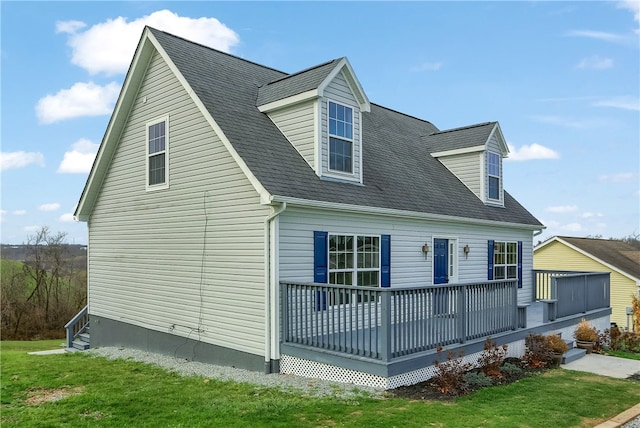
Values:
[(386, 323)]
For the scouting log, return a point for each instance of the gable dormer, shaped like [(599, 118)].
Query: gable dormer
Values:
[(474, 154), (319, 110)]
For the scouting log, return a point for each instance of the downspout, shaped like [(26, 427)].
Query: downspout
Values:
[(267, 283)]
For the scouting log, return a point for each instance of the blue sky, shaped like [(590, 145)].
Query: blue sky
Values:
[(562, 78)]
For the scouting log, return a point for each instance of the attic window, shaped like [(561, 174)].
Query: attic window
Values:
[(157, 153), (340, 138), (494, 175)]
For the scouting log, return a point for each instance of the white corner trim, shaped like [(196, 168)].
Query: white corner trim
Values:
[(289, 101), (459, 151)]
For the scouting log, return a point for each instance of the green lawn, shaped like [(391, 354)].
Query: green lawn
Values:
[(96, 392)]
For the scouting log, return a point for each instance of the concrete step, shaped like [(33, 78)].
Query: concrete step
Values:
[(573, 354)]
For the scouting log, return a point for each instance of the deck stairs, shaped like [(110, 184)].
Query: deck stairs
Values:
[(573, 353), (78, 332)]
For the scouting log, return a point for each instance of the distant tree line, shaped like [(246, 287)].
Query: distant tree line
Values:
[(44, 291)]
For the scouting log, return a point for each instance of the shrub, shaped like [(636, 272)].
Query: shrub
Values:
[(473, 381), (449, 377), (537, 354), (511, 370), (492, 358), (585, 332), (557, 344)]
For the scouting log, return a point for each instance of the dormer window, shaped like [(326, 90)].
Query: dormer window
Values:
[(493, 162), (340, 138)]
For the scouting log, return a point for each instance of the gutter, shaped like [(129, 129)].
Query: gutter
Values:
[(267, 282)]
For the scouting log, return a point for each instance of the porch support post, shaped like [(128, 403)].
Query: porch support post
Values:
[(385, 314), (462, 314), (514, 288)]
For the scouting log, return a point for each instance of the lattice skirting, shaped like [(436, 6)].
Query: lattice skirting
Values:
[(312, 369)]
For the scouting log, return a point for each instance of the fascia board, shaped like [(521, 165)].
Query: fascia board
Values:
[(124, 104), (352, 81), (594, 258), (397, 213), (459, 151), (500, 137), (289, 101), (257, 185)]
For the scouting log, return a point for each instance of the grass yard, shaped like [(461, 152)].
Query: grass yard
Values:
[(623, 354), (82, 390)]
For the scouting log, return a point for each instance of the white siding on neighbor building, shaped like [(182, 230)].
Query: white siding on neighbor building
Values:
[(468, 168), (409, 266), (297, 124), (187, 260), (339, 91)]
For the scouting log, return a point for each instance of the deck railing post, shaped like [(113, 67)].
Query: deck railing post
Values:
[(514, 291), (385, 314), (461, 313)]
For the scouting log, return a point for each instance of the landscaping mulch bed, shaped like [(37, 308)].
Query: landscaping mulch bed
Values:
[(428, 390)]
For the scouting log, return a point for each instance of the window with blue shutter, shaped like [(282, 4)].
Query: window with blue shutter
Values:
[(490, 261), (519, 264), (320, 257), (385, 260)]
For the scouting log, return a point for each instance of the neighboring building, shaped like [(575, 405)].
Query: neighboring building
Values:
[(596, 255), (283, 222)]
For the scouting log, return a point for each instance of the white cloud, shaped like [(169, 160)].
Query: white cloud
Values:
[(19, 212), (592, 215), (633, 6), (427, 66), (108, 47), (595, 62), (67, 218), (562, 121), (82, 99), (561, 209), (14, 160), (80, 158), (599, 35), (530, 152), (2, 214), (621, 177), (49, 207), (623, 102)]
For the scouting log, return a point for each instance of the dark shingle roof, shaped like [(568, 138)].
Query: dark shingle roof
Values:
[(294, 84), (399, 172), (614, 252), (459, 138)]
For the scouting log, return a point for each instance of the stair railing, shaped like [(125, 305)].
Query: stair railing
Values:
[(77, 325)]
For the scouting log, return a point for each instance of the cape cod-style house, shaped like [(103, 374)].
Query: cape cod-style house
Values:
[(284, 223)]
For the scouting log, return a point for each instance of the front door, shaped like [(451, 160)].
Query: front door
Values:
[(440, 261), (440, 275)]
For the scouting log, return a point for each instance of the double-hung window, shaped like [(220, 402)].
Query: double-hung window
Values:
[(157, 153), (505, 261), (493, 161), (340, 138), (354, 260)]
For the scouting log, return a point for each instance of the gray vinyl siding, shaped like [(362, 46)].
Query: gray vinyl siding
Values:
[(187, 260), (468, 168), (339, 91), (297, 124), (409, 266)]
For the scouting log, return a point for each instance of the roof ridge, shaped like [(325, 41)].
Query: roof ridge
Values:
[(216, 50), (404, 114), (302, 71), (477, 125)]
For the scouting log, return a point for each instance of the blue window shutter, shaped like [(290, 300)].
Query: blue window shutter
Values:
[(519, 264), (385, 262), (320, 257), (490, 261)]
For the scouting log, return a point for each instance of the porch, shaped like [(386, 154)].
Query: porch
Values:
[(390, 331)]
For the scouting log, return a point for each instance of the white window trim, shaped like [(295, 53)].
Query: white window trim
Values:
[(165, 185), (355, 269), (505, 264), (334, 172), (499, 177), (452, 258)]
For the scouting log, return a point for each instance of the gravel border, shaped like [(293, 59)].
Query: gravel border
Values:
[(286, 383)]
